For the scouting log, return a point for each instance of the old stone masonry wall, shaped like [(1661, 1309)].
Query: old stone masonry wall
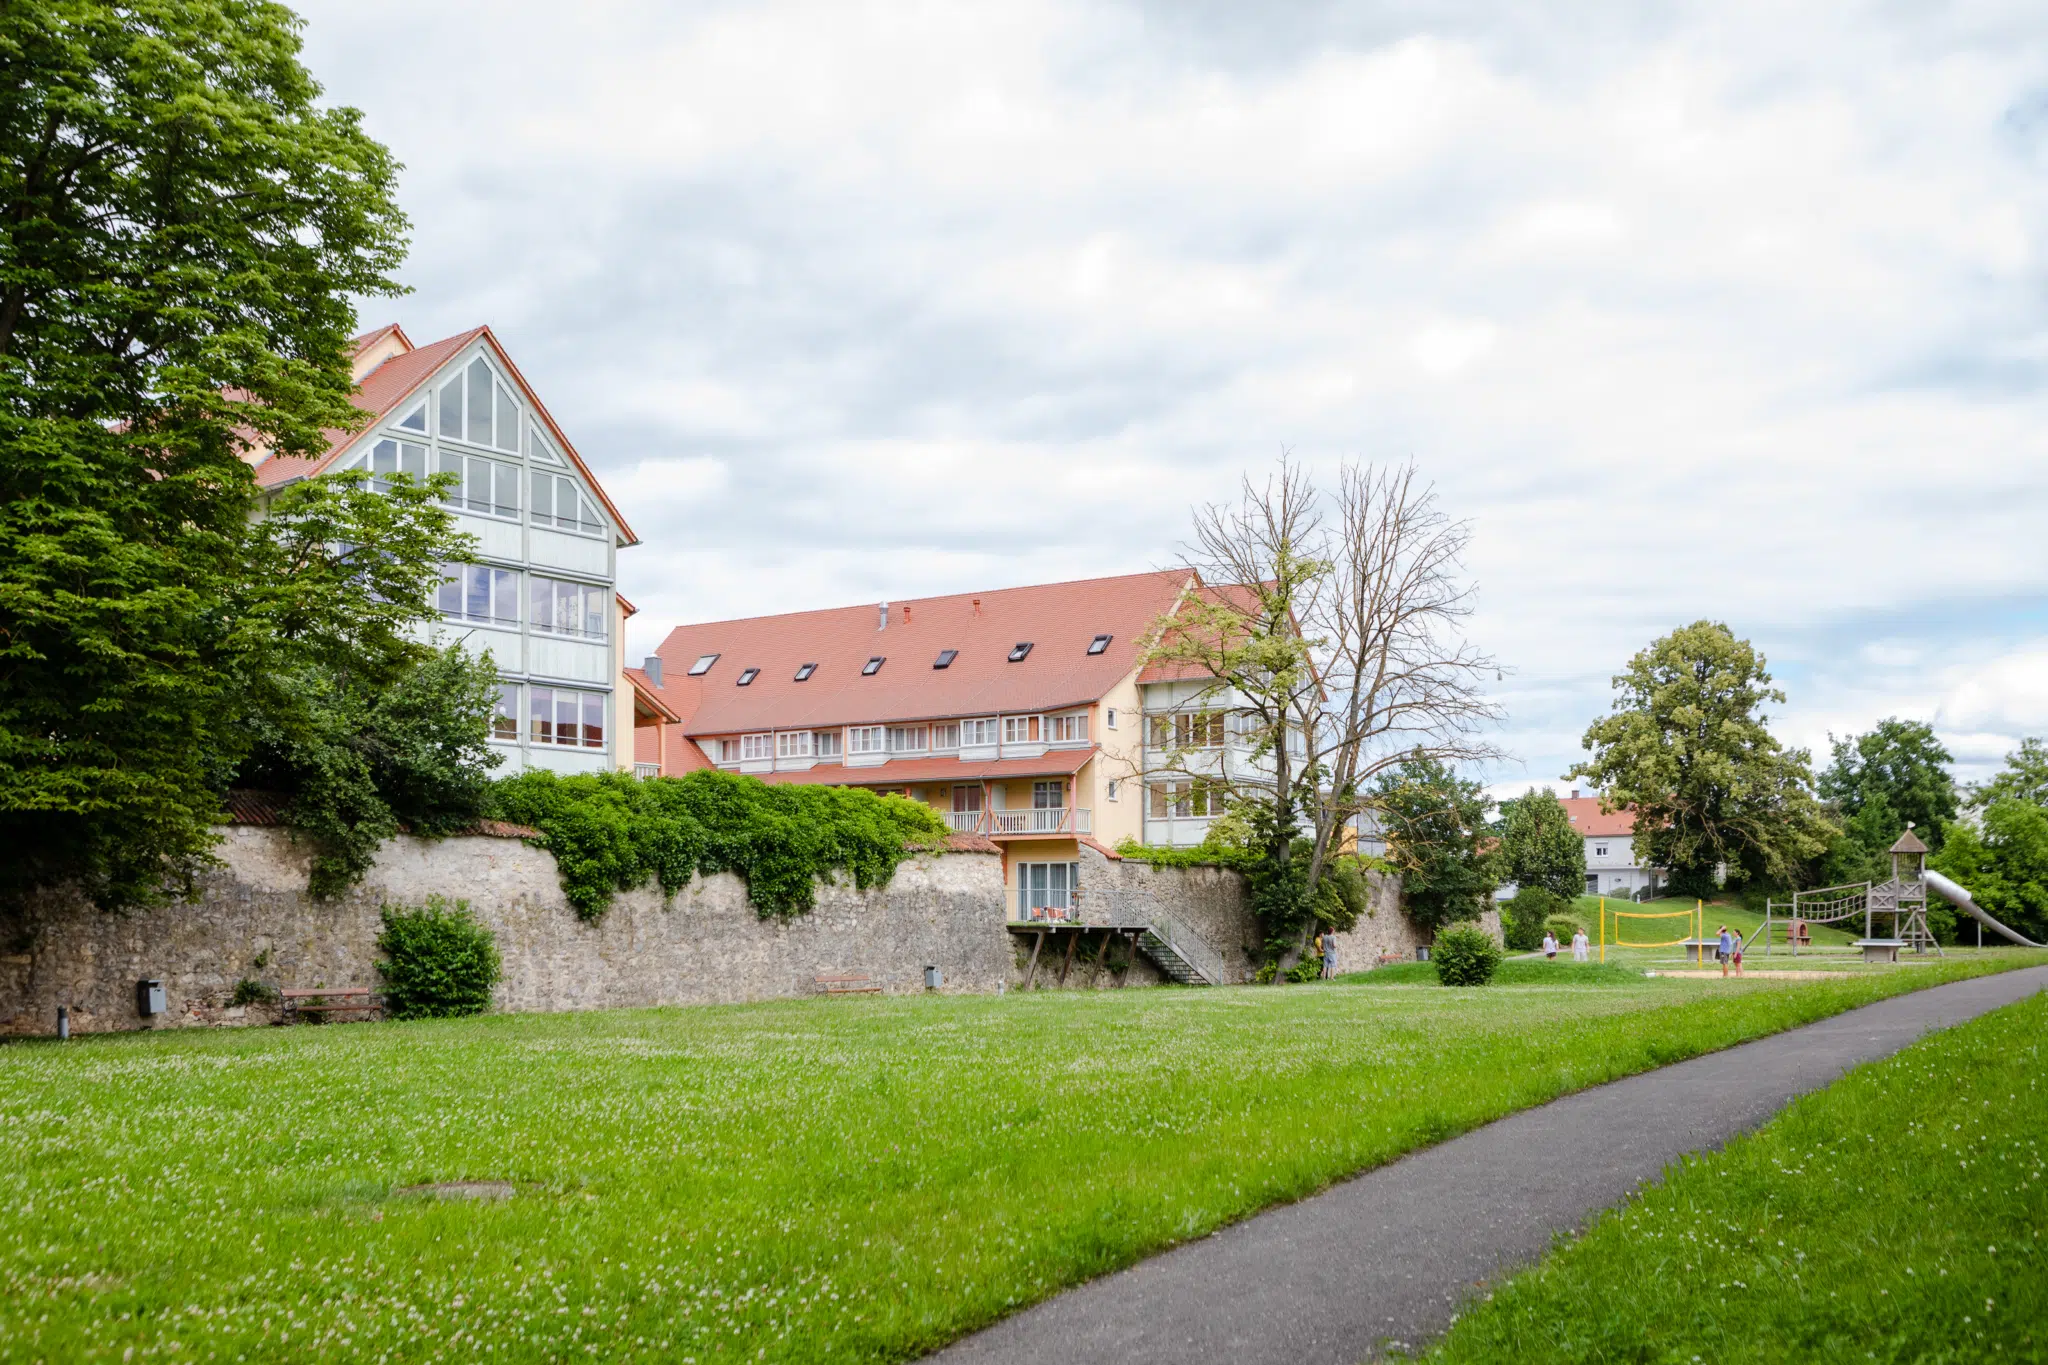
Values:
[(253, 919)]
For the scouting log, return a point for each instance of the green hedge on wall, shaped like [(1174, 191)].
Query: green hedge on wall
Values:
[(610, 832)]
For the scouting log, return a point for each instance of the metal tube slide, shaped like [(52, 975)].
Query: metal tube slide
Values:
[(1960, 898)]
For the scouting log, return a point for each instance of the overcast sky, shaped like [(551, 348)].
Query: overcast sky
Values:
[(1729, 310)]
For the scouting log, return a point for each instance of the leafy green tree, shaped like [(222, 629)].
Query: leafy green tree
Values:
[(1539, 847), (1437, 840), (1522, 918), (2003, 864), (2024, 777), (1688, 748), (1903, 765), (182, 229)]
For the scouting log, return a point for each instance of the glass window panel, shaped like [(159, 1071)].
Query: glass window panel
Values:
[(478, 486), (508, 489), (594, 613), (541, 710), (451, 408), (505, 596), (590, 519), (543, 604), (412, 459), (479, 402), (451, 590), (565, 717), (384, 458), (505, 712), (593, 720), (507, 421), (416, 420), (477, 598), (543, 497)]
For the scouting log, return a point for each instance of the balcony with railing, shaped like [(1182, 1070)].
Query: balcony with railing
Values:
[(1046, 820), (646, 770), (1043, 905)]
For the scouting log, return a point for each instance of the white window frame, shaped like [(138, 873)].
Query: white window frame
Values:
[(866, 739), (583, 704), (793, 743), (825, 743), (728, 751), (946, 737), (980, 731), (1023, 729), (910, 739), (757, 746), (584, 593), (1070, 727), (1109, 718), (503, 585)]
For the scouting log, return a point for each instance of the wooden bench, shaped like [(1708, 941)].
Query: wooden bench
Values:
[(846, 985), (338, 1000)]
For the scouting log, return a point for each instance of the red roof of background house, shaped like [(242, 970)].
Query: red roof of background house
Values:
[(1059, 619), (644, 686), (1589, 820), (401, 378), (1236, 595)]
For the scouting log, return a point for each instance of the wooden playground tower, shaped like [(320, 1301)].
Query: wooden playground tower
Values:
[(1902, 902)]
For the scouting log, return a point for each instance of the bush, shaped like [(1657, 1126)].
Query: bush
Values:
[(610, 832), (1522, 919), (1464, 957), (441, 962), (1308, 969), (252, 992)]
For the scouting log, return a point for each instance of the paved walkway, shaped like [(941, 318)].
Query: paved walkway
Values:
[(1386, 1256)]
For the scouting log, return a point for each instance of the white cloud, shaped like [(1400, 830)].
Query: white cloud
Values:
[(1728, 311)]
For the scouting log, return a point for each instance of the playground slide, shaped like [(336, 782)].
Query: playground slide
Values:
[(1961, 900)]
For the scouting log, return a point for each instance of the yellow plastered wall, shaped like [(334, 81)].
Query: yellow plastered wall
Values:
[(1119, 759)]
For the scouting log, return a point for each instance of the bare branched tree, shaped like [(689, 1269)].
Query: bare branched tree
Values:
[(1330, 644)]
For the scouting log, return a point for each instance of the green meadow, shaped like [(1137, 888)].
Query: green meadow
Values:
[(849, 1179)]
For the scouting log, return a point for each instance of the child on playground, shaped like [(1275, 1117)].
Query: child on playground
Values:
[(1549, 946), (1579, 945), (1724, 949)]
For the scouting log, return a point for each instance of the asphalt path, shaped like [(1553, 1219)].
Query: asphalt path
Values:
[(1385, 1258)]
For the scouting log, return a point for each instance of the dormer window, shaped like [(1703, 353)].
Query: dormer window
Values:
[(945, 659), (804, 671), (747, 675), (703, 665), (872, 666), (1099, 643), (1019, 650)]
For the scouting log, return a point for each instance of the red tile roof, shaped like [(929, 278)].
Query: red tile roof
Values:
[(912, 772), (643, 687), (398, 380), (1589, 820), (1059, 619)]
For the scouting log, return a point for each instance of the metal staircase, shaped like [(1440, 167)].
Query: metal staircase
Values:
[(1180, 953)]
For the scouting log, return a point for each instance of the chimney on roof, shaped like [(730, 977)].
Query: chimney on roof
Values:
[(1575, 793), (977, 606), (651, 666), (906, 613), (885, 617)]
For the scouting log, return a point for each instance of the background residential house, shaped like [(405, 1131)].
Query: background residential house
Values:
[(1611, 865), (540, 597), (1020, 714)]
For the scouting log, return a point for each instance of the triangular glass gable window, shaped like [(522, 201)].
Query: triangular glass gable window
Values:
[(543, 453), (416, 420), (477, 408)]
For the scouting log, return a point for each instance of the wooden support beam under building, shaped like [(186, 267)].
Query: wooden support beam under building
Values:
[(1037, 945), (1073, 942), (1130, 960)]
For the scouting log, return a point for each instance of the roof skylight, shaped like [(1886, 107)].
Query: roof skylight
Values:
[(1099, 643), (805, 670), (747, 675), (872, 666), (945, 659), (1019, 650), (703, 665)]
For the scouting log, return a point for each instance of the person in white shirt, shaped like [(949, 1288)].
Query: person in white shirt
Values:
[(1579, 945), (1549, 946)]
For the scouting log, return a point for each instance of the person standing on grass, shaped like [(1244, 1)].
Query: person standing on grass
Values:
[(1329, 957), (1579, 944), (1549, 946), (1738, 955), (1724, 949)]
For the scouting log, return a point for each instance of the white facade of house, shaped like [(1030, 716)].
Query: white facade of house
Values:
[(540, 598), (1189, 733)]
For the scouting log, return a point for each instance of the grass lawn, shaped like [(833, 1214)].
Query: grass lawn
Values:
[(805, 1180), (1895, 1216)]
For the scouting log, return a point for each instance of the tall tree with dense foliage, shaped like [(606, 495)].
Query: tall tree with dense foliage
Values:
[(2002, 861), (182, 227), (1688, 748), (2023, 778), (1539, 847), (1901, 764), (1438, 840)]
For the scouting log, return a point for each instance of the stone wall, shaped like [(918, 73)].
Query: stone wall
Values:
[(253, 919)]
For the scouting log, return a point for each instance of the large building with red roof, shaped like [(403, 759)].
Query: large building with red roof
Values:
[(1021, 714), (540, 597), (1612, 868)]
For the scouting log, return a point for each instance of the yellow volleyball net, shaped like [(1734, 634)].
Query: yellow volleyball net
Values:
[(1689, 935)]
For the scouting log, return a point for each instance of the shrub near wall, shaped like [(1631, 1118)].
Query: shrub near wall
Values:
[(439, 962), (1464, 956), (610, 832)]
